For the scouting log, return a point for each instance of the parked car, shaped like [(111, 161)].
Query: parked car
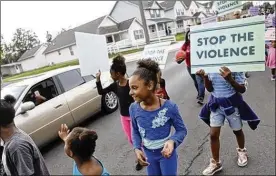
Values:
[(70, 99)]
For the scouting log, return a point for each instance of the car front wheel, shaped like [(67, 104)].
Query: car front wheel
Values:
[(110, 102)]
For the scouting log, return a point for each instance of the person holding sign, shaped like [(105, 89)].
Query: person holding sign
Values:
[(198, 81), (271, 60), (226, 102), (152, 119), (121, 88)]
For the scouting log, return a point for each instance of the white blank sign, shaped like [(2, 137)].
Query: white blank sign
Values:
[(92, 53)]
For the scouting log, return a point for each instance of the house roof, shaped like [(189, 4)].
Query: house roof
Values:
[(167, 5), (124, 25), (67, 38), (161, 20), (29, 53), (207, 5), (146, 4), (187, 3)]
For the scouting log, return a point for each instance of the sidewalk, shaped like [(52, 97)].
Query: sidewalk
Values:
[(136, 56)]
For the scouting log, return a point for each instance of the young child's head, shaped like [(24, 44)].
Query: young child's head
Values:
[(7, 112), (80, 144), (144, 80), (118, 67)]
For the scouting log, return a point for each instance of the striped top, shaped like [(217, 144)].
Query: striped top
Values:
[(221, 87)]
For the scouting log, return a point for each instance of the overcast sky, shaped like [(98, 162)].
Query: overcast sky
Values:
[(52, 16)]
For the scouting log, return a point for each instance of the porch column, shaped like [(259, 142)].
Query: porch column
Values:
[(113, 39), (157, 31)]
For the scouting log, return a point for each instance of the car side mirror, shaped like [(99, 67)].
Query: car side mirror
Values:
[(27, 106)]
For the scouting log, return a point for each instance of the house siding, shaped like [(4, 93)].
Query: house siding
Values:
[(107, 22), (65, 56), (124, 11), (35, 62), (135, 26)]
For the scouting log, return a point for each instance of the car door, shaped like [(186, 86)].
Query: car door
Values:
[(81, 94), (43, 122)]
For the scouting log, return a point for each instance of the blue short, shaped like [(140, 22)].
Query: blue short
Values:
[(217, 119)]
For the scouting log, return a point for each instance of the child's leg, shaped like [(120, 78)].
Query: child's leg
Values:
[(153, 158), (273, 72), (169, 165), (235, 123), (215, 143), (126, 127), (216, 121)]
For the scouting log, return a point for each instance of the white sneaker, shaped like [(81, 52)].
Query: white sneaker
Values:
[(242, 157), (213, 168), (272, 78)]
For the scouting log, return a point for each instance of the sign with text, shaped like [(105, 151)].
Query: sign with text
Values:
[(211, 19), (224, 7), (237, 44), (157, 52), (92, 53), (270, 34)]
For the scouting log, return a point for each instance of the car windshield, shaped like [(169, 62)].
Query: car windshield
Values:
[(15, 91)]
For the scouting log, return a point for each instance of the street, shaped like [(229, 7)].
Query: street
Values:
[(194, 154)]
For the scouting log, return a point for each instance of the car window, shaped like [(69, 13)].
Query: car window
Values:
[(87, 78), (41, 92), (70, 79), (14, 91)]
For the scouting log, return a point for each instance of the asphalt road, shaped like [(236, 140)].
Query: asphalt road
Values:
[(118, 156)]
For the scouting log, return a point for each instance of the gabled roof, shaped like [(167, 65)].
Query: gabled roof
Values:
[(146, 4), (187, 3), (124, 25), (67, 38), (168, 5), (198, 13), (29, 53), (207, 5)]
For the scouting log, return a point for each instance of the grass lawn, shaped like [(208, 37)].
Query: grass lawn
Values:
[(61, 65), (180, 37)]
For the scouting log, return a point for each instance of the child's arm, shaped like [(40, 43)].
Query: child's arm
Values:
[(237, 83), (101, 91), (136, 138), (207, 83), (178, 124)]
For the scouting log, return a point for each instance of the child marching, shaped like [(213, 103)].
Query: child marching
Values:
[(152, 119), (226, 102)]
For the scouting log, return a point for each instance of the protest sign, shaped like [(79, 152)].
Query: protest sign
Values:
[(211, 19), (237, 44), (92, 53), (254, 11), (224, 7), (157, 52), (270, 34)]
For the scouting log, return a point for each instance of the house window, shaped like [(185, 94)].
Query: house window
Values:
[(182, 12), (152, 28), (157, 13), (71, 51), (59, 53), (138, 34), (180, 24), (160, 27), (109, 39)]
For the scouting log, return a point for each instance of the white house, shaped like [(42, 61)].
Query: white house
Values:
[(10, 69), (33, 58), (126, 33), (158, 23)]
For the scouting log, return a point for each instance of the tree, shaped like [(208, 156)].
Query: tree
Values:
[(22, 41), (2, 49)]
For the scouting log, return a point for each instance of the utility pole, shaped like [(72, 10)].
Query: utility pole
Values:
[(144, 22)]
